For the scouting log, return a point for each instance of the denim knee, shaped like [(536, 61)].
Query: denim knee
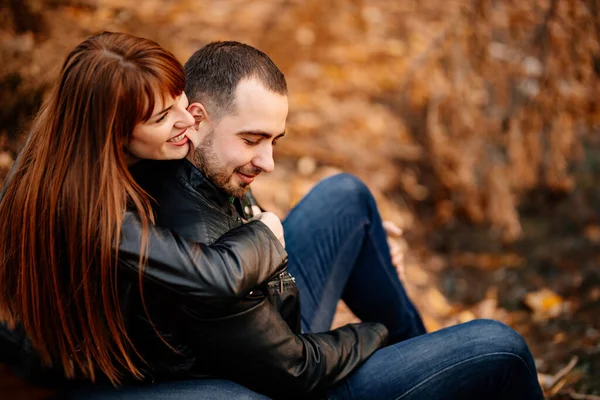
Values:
[(501, 338), (347, 189)]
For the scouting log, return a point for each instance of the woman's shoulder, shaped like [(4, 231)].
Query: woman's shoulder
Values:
[(145, 171)]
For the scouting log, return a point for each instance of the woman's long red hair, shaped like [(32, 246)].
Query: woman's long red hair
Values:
[(62, 208)]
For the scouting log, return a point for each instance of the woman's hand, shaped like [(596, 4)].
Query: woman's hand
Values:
[(273, 222)]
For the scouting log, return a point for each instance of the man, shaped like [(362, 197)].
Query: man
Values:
[(241, 116), (337, 249)]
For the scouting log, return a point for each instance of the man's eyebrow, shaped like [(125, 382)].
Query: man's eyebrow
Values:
[(262, 134)]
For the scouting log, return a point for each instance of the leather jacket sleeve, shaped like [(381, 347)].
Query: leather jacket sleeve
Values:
[(237, 262), (258, 349)]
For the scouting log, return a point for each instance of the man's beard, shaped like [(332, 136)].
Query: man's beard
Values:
[(207, 161)]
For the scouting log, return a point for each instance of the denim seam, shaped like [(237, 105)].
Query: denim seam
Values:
[(335, 267), (348, 393), (459, 363), (382, 263)]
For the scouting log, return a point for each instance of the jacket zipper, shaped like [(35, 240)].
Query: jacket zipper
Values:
[(282, 280), (279, 273)]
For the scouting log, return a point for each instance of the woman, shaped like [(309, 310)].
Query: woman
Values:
[(70, 200)]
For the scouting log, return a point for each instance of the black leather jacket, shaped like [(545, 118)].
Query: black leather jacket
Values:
[(224, 271), (254, 340)]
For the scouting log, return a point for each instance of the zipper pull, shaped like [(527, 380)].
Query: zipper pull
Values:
[(281, 282)]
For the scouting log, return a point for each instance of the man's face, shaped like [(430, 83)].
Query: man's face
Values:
[(237, 147)]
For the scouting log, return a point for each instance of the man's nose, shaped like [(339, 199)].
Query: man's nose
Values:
[(264, 159)]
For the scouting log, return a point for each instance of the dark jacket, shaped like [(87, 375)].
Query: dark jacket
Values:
[(224, 271), (255, 340)]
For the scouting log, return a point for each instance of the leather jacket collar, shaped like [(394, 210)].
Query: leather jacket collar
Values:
[(154, 177), (193, 177)]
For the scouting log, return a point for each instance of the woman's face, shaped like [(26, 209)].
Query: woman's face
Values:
[(165, 136)]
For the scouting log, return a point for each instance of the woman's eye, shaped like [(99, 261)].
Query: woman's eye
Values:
[(162, 118)]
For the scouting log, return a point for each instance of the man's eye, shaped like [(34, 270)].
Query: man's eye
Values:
[(250, 142)]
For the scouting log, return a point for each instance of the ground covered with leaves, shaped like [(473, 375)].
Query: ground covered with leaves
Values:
[(475, 123)]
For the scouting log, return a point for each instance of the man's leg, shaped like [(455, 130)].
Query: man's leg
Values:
[(338, 249), (482, 359), (208, 389)]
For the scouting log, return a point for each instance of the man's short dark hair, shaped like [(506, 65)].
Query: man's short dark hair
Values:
[(214, 72)]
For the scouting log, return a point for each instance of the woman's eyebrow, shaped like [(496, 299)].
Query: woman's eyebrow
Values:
[(166, 109), (163, 111)]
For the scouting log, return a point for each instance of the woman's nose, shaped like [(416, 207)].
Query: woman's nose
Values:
[(186, 119)]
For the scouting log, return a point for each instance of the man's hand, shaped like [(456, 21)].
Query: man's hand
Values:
[(396, 251), (272, 221)]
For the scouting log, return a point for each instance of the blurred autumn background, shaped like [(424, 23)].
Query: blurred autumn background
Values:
[(475, 122)]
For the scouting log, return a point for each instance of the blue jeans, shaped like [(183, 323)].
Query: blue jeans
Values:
[(205, 389), (338, 249)]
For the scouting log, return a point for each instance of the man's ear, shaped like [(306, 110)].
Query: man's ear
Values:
[(199, 113)]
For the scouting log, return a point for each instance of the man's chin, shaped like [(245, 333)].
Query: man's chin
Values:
[(242, 192), (238, 190)]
